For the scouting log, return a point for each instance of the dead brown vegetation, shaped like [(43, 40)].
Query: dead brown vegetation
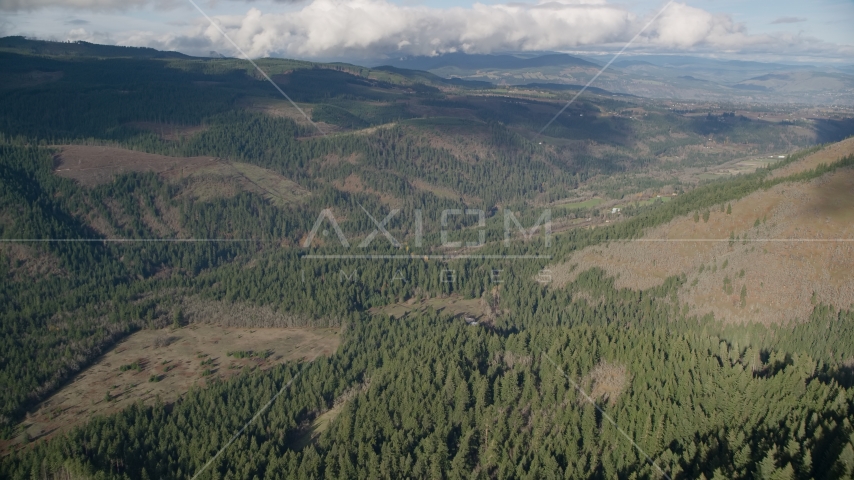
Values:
[(164, 340), (175, 359), (170, 132), (489, 303), (94, 165), (312, 429), (203, 178), (226, 179), (283, 109), (353, 184), (27, 262), (469, 145), (243, 315), (826, 155), (451, 305), (510, 359), (609, 380), (444, 192), (791, 246), (332, 159)]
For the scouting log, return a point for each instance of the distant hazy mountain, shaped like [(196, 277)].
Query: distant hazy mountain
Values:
[(677, 77), (710, 69), (660, 76), (799, 82), (20, 44), (684, 60), (462, 60)]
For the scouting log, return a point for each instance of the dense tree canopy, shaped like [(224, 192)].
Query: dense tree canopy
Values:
[(426, 395)]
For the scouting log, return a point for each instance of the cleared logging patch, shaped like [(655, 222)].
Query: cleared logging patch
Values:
[(170, 132), (94, 165), (312, 430), (243, 315), (205, 177), (225, 178), (454, 305), (609, 381), (165, 363)]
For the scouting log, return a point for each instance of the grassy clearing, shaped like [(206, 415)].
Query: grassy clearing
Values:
[(591, 203), (210, 177), (276, 188), (170, 132), (648, 201), (224, 179), (452, 305), (320, 425), (94, 165), (165, 364)]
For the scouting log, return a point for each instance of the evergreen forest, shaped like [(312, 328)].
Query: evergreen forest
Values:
[(389, 168)]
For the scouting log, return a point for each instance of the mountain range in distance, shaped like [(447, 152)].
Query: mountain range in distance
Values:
[(509, 62), (677, 77), (657, 76)]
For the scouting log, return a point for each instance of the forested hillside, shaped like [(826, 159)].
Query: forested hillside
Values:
[(133, 181), (442, 399)]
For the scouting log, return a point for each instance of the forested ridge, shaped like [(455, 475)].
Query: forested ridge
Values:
[(443, 399), (425, 395), (803, 361)]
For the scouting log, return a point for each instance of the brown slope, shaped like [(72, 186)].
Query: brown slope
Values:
[(826, 155), (94, 165), (207, 177), (801, 252), (175, 359)]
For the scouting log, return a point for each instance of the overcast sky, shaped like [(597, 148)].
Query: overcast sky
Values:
[(786, 30)]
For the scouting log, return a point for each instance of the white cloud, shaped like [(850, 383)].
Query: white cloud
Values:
[(101, 5), (92, 5), (82, 34), (78, 34), (370, 28), (378, 28)]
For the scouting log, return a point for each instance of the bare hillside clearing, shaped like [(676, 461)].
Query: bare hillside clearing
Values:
[(769, 261)]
